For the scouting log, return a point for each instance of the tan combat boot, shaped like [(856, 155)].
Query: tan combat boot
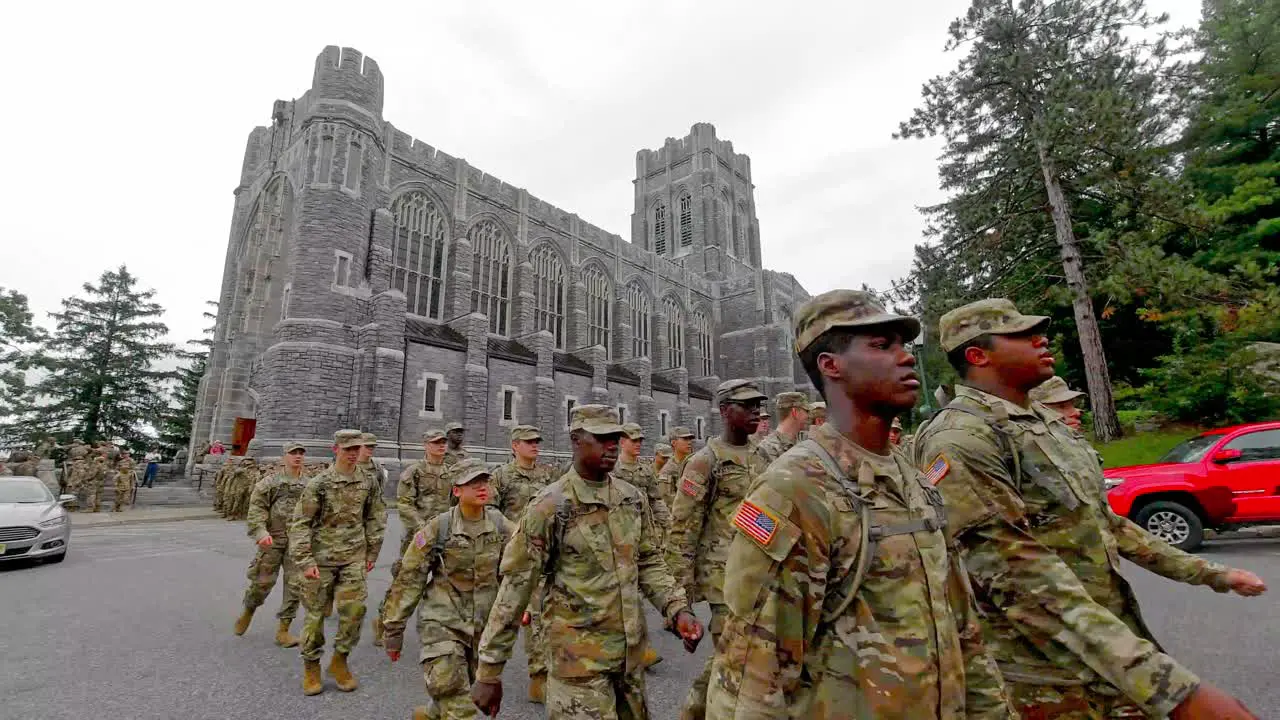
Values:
[(377, 632), (311, 682), (421, 713), (283, 638), (341, 674), (538, 688), (242, 622), (651, 657)]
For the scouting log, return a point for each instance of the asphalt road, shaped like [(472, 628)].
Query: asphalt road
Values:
[(136, 625)]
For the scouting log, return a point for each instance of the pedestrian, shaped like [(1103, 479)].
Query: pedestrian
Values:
[(510, 489), (793, 419), (125, 479), (714, 482), (661, 454), (844, 600), (591, 541), (1024, 499), (152, 459), (270, 509), (450, 574), (424, 491), (455, 432), (335, 536), (631, 469), (682, 447), (217, 448)]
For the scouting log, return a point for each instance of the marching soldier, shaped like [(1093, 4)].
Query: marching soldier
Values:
[(763, 428), (714, 482), (1024, 499), (844, 600), (369, 442), (270, 509), (818, 414), (590, 540), (661, 454), (450, 573), (632, 469), (669, 478), (334, 537), (124, 481), (455, 432), (793, 418), (94, 477), (1058, 397)]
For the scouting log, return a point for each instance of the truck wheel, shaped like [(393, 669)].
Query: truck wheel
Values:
[(1173, 523)]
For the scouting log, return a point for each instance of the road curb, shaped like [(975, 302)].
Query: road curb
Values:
[(144, 520)]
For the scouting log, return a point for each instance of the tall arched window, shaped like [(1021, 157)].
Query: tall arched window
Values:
[(417, 254), (638, 302), (726, 234), (599, 296), (686, 220), (702, 331), (548, 292), (675, 332), (660, 228), (490, 274), (740, 231)]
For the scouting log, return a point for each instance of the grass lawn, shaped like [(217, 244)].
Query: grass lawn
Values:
[(1137, 448)]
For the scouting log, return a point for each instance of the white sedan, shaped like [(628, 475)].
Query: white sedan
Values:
[(34, 524)]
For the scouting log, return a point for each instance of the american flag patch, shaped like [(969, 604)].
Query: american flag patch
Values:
[(937, 470), (690, 488), (756, 522), (420, 539)]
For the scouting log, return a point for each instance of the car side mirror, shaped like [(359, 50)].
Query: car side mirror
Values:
[(64, 499), (1222, 457)]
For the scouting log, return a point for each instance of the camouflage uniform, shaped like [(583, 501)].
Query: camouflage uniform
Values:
[(453, 598), (244, 477), (1025, 500), (642, 475), (818, 413), (125, 480), (24, 463), (669, 476), (337, 526), (270, 510), (714, 482), (453, 456), (91, 483), (775, 443), (370, 468), (606, 559)]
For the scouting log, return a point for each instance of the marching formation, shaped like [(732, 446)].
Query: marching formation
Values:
[(971, 570)]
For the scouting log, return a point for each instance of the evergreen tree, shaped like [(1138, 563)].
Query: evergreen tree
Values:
[(176, 430), (18, 340)]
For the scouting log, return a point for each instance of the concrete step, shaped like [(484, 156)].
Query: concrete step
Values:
[(172, 496)]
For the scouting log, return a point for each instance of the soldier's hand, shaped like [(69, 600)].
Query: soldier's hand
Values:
[(689, 630), (487, 696), (312, 572), (1210, 703), (525, 619), (265, 542), (1245, 583), (393, 654), (368, 565)]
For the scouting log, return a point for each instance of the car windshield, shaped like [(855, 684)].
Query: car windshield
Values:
[(1189, 451), (23, 491)]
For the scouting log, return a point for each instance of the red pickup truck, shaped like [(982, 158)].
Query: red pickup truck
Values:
[(1220, 479)]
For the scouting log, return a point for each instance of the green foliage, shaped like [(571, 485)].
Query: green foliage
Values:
[(1212, 383), (1142, 448), (175, 431), (18, 340)]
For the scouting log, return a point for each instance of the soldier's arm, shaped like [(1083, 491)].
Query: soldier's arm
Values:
[(375, 521), (304, 514), (408, 586), (1031, 585), (688, 512), (259, 510), (522, 564), (656, 581), (657, 505), (406, 500), (986, 697), (1146, 550)]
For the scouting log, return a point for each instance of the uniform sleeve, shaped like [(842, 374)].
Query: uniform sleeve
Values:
[(375, 522), (688, 512), (408, 586), (775, 605), (522, 564), (656, 581), (259, 510), (300, 524), (407, 500), (1034, 588), (657, 505), (1148, 551), (986, 697)]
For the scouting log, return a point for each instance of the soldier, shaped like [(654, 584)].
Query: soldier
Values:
[(511, 488), (243, 479), (74, 472), (1054, 394), (883, 629), (762, 429), (334, 538), (24, 463), (451, 567), (682, 444), (94, 477), (793, 414), (590, 539), (818, 414), (126, 478), (895, 433), (712, 486), (632, 469), (661, 454), (1024, 499), (220, 488), (454, 432), (369, 442), (424, 491), (270, 509)]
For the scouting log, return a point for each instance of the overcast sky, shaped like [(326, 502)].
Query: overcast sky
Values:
[(126, 122)]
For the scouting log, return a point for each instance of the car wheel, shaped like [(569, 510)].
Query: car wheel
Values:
[(1173, 523)]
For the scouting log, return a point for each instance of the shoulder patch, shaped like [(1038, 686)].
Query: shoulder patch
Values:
[(937, 470), (420, 539), (690, 488), (756, 522)]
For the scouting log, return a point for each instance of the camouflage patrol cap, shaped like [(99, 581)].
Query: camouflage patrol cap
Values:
[(468, 470), (291, 446), (845, 309), (595, 419), (738, 390), (347, 439), (633, 431), (818, 409), (994, 316), (662, 450), (1053, 391), (788, 401), (525, 432), (680, 432), (368, 439), (434, 435), (454, 426), (896, 424)]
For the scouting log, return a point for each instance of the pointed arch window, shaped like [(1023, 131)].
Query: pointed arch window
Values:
[(675, 332), (726, 235), (548, 293), (686, 220), (740, 231), (598, 296), (417, 254), (702, 333), (660, 228), (490, 274), (638, 302)]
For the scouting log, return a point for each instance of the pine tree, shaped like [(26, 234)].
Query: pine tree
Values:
[(19, 339), (1052, 117), (103, 381), (175, 432)]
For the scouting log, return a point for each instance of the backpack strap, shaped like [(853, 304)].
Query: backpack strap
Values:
[(998, 421), (870, 535), (443, 531), (559, 523)]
